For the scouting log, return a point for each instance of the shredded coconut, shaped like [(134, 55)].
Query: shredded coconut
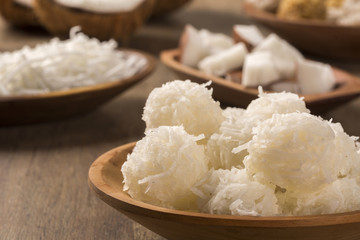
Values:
[(163, 166), (183, 103), (60, 65), (273, 158)]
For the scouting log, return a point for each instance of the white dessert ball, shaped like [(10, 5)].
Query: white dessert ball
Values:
[(163, 166), (269, 103), (343, 195), (233, 192), (183, 103), (294, 151)]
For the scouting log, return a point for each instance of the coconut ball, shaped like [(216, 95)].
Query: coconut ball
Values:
[(343, 195), (183, 103), (294, 151), (233, 132), (163, 166), (232, 192), (269, 103), (346, 151), (236, 129)]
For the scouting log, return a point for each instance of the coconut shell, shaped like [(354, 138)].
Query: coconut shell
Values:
[(59, 19), (163, 7), (18, 14)]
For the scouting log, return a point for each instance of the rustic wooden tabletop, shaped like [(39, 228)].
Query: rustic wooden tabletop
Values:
[(43, 167)]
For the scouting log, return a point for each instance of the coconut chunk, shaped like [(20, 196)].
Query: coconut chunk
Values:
[(192, 47), (215, 42), (249, 34), (284, 55), (197, 44), (221, 63), (315, 77), (259, 69)]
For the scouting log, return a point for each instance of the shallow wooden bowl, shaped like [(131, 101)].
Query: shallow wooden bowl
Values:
[(105, 179), (312, 36), (18, 14), (59, 19), (237, 95), (57, 105)]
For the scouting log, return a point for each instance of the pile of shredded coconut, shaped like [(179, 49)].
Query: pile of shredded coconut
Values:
[(272, 158), (60, 65)]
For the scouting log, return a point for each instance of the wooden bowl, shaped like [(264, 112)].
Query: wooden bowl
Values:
[(59, 19), (18, 14), (57, 105), (105, 179), (315, 37), (237, 95)]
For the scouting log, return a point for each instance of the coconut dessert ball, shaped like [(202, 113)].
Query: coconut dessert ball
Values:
[(235, 130), (233, 192), (183, 103), (269, 103), (294, 151), (346, 151), (163, 166), (343, 195)]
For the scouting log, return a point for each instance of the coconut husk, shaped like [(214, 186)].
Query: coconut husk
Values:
[(18, 14), (59, 19), (164, 7)]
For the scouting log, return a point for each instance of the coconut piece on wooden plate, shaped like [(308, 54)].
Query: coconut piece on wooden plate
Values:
[(284, 55), (19, 12), (248, 34), (259, 69), (111, 20), (192, 47), (225, 61), (215, 42), (197, 44), (315, 77)]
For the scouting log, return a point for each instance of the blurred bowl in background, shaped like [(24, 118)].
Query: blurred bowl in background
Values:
[(59, 19), (56, 105), (18, 14), (314, 37)]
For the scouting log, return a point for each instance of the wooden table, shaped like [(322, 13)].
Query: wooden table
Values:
[(43, 167)]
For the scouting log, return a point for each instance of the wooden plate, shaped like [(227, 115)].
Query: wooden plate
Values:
[(235, 94), (57, 105), (105, 179), (312, 36)]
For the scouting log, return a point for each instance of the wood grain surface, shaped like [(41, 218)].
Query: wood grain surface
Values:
[(43, 168)]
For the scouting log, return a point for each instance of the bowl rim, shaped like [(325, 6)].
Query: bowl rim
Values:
[(111, 196), (170, 58), (147, 69), (263, 15)]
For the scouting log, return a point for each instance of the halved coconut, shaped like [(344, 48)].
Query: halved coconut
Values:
[(59, 19), (163, 7), (17, 13)]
